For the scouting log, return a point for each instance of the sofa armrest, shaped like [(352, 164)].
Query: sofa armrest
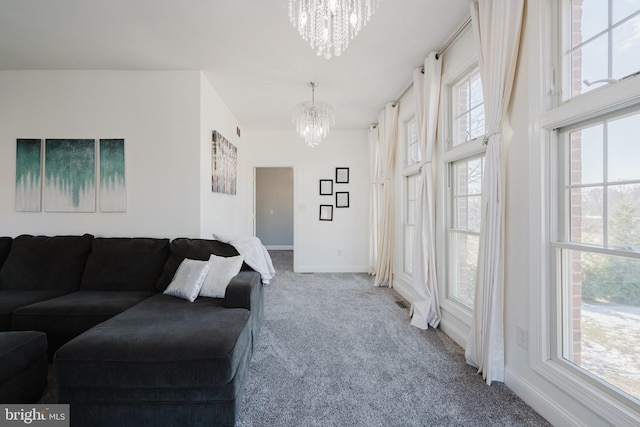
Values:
[(244, 291)]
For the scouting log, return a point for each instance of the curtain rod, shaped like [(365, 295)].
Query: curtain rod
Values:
[(404, 92), (451, 39), (455, 35)]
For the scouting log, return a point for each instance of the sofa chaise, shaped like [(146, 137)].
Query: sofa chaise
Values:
[(124, 352)]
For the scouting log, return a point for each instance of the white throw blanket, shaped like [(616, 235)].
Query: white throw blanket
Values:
[(254, 253)]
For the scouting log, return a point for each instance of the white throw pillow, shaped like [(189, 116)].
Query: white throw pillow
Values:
[(188, 279), (222, 270)]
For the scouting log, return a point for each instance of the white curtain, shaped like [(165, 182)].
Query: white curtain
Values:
[(388, 134), (496, 25), (425, 303), (373, 198)]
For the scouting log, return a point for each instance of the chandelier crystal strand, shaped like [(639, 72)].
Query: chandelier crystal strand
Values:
[(329, 25), (313, 119)]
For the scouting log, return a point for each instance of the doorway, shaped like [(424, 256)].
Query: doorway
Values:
[(273, 207)]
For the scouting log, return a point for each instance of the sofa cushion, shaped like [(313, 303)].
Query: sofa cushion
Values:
[(222, 270), (198, 249), (68, 316), (5, 247), (23, 366), (45, 263), (125, 264), (11, 300), (163, 342), (18, 350), (188, 280)]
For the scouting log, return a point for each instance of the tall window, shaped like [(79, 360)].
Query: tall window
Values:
[(410, 216), (464, 160), (468, 108), (601, 43), (595, 247), (464, 233), (599, 249), (411, 175), (412, 143)]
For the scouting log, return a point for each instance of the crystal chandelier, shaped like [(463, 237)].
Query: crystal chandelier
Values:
[(329, 25), (313, 119)]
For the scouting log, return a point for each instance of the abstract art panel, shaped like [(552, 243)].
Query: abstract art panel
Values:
[(70, 175), (113, 192), (224, 164), (28, 175)]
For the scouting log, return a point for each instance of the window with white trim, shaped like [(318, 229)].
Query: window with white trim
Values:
[(411, 178), (598, 249), (410, 215), (594, 303), (468, 108), (412, 143), (464, 230), (601, 43), (464, 161)]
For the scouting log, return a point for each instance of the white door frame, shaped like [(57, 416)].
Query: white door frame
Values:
[(254, 215)]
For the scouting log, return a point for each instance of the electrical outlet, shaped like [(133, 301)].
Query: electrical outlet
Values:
[(523, 338)]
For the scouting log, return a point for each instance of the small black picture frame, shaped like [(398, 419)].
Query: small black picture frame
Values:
[(342, 199), (326, 212), (326, 187), (342, 175)]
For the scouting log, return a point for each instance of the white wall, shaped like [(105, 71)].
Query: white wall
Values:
[(340, 245), (157, 113), (166, 119), (220, 213)]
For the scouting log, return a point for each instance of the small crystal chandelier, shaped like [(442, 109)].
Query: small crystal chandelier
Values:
[(329, 25), (313, 119)]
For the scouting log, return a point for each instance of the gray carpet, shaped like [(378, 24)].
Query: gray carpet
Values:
[(335, 351)]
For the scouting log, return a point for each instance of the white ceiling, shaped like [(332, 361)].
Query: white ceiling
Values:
[(249, 50)]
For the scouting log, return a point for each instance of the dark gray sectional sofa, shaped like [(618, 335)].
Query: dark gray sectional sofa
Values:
[(125, 353)]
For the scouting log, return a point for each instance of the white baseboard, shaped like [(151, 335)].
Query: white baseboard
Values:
[(453, 332), (450, 328), (331, 269), (404, 289), (279, 247), (550, 409)]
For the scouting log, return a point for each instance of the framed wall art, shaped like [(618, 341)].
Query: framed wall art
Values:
[(28, 175), (224, 165), (342, 175), (326, 212), (342, 199), (326, 187), (70, 175), (113, 191)]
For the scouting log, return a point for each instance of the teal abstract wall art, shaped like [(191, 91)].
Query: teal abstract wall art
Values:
[(113, 191), (70, 172), (28, 175)]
